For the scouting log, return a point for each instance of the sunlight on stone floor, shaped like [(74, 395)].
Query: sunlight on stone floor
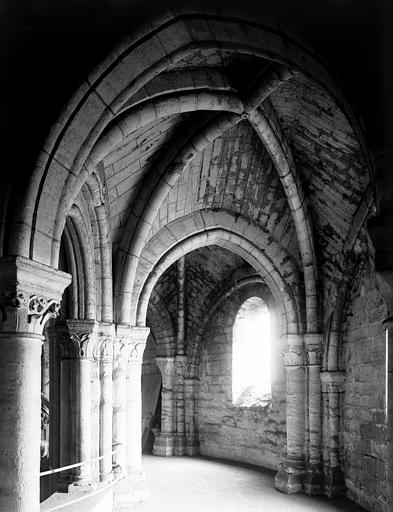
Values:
[(183, 484)]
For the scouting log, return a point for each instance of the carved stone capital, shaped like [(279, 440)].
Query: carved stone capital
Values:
[(83, 336), (294, 353), (332, 382), (314, 349), (105, 342), (137, 343), (104, 350), (133, 340), (30, 294)]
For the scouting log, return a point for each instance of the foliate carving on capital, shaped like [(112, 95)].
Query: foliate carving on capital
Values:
[(119, 348), (104, 349), (135, 351), (294, 356), (42, 308), (314, 354), (85, 344), (38, 308)]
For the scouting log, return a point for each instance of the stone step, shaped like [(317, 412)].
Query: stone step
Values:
[(100, 500)]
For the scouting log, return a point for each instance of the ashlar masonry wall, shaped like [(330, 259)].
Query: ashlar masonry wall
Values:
[(254, 435), (364, 432)]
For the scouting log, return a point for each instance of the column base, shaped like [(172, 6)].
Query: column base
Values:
[(179, 446), (290, 478), (313, 481), (131, 489), (333, 482), (163, 445), (192, 446)]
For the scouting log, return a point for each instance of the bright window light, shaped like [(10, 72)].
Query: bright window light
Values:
[(251, 360)]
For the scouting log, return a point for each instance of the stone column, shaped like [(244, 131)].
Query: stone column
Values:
[(332, 390), (136, 478), (55, 334), (314, 350), (30, 294), (290, 477), (136, 346), (105, 348), (127, 413), (119, 418), (190, 391), (83, 337), (179, 447), (388, 324), (67, 409), (45, 375), (164, 441)]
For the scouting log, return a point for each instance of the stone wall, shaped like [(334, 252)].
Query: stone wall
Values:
[(254, 435), (364, 431)]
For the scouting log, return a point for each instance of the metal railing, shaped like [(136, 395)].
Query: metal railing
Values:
[(86, 495), (77, 465)]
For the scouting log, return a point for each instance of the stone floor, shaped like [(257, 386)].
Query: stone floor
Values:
[(183, 484)]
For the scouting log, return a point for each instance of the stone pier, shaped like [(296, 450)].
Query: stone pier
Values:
[(30, 294), (290, 477)]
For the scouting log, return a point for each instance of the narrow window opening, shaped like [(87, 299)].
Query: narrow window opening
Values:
[(251, 359)]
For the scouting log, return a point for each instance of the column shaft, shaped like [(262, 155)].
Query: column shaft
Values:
[(332, 388), (295, 418), (20, 411), (180, 442), (192, 447), (313, 480), (83, 444), (119, 419), (67, 425), (164, 441), (106, 419), (134, 415)]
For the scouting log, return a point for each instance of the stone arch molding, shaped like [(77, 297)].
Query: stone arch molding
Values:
[(64, 159), (236, 234)]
